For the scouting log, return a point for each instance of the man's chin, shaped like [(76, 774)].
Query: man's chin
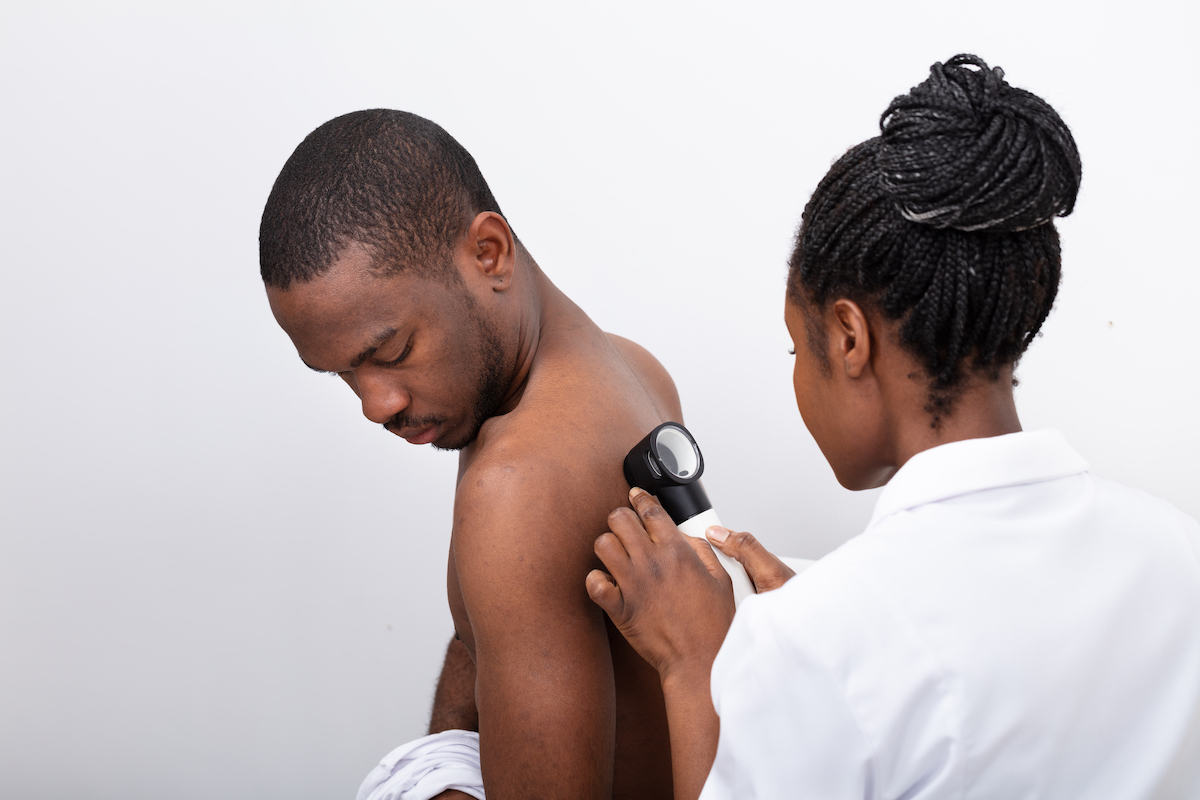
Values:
[(448, 442), (428, 434)]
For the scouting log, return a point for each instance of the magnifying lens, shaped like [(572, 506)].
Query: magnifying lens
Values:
[(668, 464)]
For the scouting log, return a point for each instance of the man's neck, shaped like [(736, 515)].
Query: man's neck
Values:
[(546, 316), (538, 308)]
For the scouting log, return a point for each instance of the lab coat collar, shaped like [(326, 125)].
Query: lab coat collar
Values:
[(972, 465)]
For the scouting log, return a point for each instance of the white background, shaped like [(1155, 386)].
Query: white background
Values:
[(217, 580)]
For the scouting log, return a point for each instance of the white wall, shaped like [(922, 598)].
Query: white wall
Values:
[(216, 579)]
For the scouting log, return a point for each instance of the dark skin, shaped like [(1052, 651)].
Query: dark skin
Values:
[(564, 706), (866, 407), (454, 700)]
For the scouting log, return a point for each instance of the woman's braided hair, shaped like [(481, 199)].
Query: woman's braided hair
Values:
[(944, 221)]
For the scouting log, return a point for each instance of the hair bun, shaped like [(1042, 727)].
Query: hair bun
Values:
[(965, 150)]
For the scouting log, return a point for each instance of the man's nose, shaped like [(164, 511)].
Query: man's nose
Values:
[(382, 397)]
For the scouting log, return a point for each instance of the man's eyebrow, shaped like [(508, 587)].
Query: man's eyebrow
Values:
[(376, 343)]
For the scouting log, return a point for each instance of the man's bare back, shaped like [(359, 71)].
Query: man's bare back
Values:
[(535, 489)]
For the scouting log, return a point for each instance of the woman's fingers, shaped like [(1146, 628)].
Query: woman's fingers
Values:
[(611, 551), (605, 593), (656, 521), (765, 570), (709, 559), (663, 600), (626, 527)]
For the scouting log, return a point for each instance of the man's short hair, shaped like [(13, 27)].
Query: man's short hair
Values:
[(390, 181)]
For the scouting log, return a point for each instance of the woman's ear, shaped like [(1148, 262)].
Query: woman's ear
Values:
[(851, 334), (491, 247)]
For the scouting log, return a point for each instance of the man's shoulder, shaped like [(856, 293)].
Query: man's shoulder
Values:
[(580, 406), (525, 520), (533, 472), (635, 355), (595, 374), (548, 473), (513, 463), (648, 369), (531, 487)]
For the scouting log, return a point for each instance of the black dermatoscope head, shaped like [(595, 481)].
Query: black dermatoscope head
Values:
[(668, 464)]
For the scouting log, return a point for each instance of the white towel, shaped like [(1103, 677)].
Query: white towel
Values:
[(426, 767)]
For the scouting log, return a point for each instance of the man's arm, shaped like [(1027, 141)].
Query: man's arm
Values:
[(454, 700), (545, 687)]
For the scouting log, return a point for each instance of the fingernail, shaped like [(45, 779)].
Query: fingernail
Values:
[(634, 492), (717, 533)]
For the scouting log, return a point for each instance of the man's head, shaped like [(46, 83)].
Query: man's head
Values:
[(390, 181), (387, 263)]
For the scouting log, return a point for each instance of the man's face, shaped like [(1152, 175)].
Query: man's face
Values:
[(419, 353)]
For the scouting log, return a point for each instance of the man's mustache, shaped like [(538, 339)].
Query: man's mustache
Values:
[(402, 422)]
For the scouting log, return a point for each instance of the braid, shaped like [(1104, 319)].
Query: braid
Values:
[(958, 321), (966, 150), (987, 301), (944, 222)]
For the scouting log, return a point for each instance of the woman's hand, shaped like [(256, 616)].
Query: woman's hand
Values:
[(673, 601), (765, 570), (666, 592)]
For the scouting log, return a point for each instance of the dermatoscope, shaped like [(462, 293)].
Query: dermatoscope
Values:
[(668, 464)]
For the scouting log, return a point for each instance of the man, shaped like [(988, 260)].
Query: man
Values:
[(388, 263)]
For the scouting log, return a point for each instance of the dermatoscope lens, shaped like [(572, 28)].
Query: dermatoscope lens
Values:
[(676, 452)]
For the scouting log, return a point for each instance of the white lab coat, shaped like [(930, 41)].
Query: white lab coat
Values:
[(1008, 626)]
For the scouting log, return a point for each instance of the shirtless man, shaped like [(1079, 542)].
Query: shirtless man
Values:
[(388, 263)]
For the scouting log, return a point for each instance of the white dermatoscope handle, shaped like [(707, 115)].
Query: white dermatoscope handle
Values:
[(696, 526)]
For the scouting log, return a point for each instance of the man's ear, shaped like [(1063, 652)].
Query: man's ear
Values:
[(851, 334), (492, 249)]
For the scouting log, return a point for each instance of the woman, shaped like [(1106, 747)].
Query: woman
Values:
[(1008, 625)]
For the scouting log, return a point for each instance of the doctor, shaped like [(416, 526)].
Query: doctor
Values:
[(1008, 625)]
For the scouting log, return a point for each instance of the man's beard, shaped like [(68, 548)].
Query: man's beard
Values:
[(489, 389)]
